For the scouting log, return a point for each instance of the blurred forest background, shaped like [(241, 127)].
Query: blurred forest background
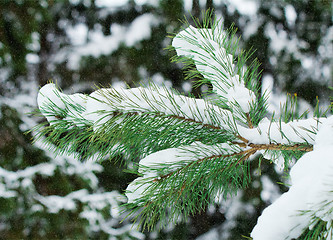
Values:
[(81, 44)]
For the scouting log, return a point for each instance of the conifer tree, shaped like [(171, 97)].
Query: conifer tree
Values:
[(192, 150)]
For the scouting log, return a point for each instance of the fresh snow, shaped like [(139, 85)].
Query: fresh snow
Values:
[(136, 189), (54, 104), (96, 108), (21, 183), (309, 196), (291, 14), (173, 159), (99, 44), (301, 131), (205, 47)]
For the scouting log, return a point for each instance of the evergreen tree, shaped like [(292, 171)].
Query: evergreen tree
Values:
[(194, 150), (42, 40)]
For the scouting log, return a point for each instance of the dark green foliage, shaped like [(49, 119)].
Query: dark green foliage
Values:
[(194, 190), (21, 217), (13, 141), (320, 230), (21, 21)]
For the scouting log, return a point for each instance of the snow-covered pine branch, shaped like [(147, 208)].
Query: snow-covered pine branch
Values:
[(309, 201), (137, 118), (190, 149)]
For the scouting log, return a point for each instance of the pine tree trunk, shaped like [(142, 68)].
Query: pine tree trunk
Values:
[(42, 72), (196, 8), (209, 5)]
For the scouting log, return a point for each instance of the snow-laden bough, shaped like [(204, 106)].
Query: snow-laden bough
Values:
[(309, 197)]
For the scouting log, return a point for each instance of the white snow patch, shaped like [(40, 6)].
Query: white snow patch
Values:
[(78, 34), (291, 14), (99, 44), (270, 191), (54, 104), (244, 7), (140, 28), (172, 159), (205, 47), (110, 4), (311, 191), (271, 132)]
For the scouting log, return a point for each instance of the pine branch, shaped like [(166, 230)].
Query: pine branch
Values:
[(150, 112), (173, 188), (244, 153), (277, 147), (191, 150), (212, 50)]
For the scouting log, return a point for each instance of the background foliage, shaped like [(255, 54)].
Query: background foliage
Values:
[(80, 44)]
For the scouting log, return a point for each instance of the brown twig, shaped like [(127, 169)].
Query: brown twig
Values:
[(249, 122), (246, 154), (277, 146)]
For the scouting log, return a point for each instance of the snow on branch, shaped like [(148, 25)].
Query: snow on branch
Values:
[(193, 149), (88, 120), (156, 100), (163, 164), (309, 199), (103, 104), (169, 177), (213, 52), (55, 105), (277, 132)]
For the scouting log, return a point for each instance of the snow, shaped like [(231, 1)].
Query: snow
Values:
[(93, 204), (55, 105), (232, 208), (301, 131), (240, 95), (32, 58), (159, 80), (78, 33), (187, 87), (244, 7), (110, 4), (13, 183), (211, 235), (270, 192), (140, 29), (56, 203), (159, 159), (291, 14), (213, 61), (96, 109), (15, 179), (148, 2), (172, 159), (152, 99), (205, 47), (281, 41), (120, 3), (136, 189), (5, 192), (98, 106), (311, 191), (99, 44), (324, 137)]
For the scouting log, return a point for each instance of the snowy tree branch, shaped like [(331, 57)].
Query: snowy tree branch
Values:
[(192, 150)]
